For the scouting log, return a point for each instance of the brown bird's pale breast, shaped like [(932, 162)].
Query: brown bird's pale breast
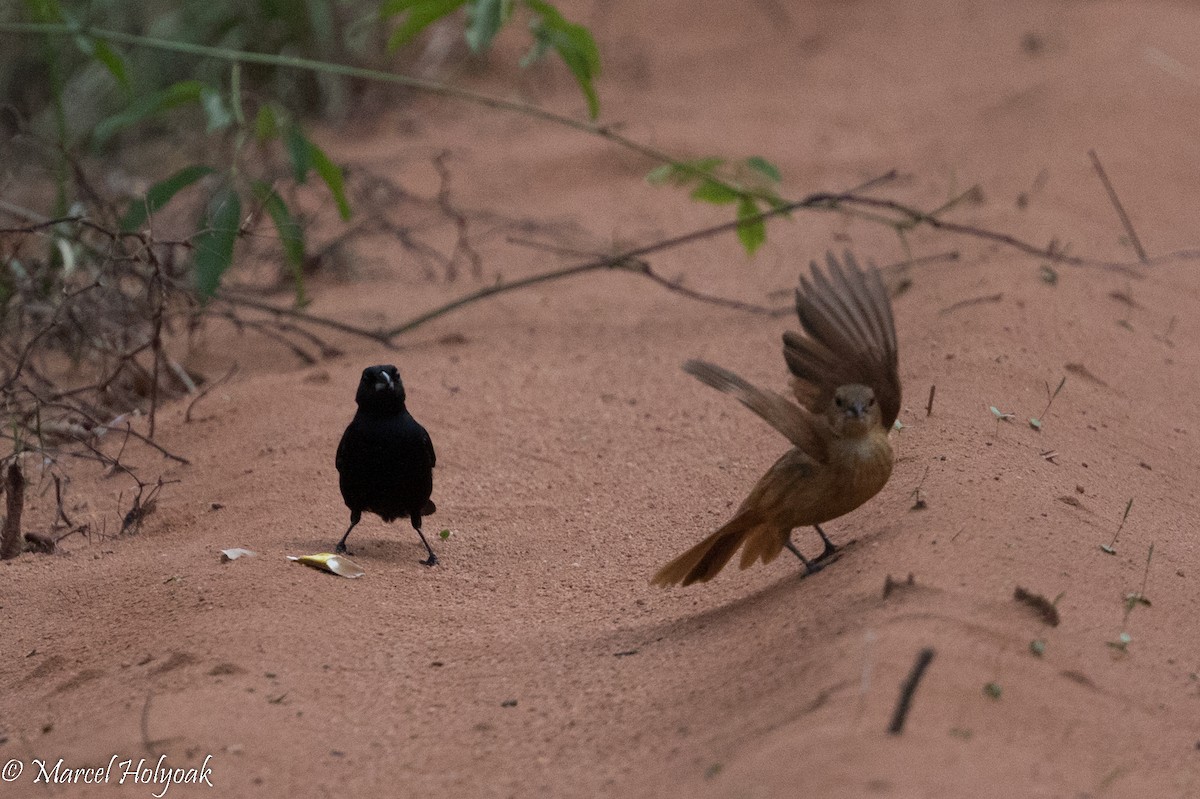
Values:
[(796, 492)]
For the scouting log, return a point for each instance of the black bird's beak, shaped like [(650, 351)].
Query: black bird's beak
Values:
[(385, 381)]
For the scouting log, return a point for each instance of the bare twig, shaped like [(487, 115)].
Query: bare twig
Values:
[(990, 298), (908, 688), (187, 416), (377, 336), (929, 405), (14, 493), (1116, 201), (644, 268), (463, 243)]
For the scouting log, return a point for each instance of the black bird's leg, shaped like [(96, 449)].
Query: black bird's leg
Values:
[(416, 523), (355, 518), (810, 566), (830, 549)]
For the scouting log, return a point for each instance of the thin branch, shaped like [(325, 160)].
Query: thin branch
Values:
[(904, 701), (643, 268), (1112, 196), (379, 337), (187, 416)]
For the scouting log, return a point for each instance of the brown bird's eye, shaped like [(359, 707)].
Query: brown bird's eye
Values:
[(871, 402), (840, 402)]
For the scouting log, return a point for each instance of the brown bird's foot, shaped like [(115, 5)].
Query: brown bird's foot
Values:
[(810, 566), (830, 550)]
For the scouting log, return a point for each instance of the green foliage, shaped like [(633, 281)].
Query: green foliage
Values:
[(750, 184), (145, 107), (291, 235), (486, 18), (306, 157), (417, 16), (160, 194), (574, 45), (213, 253)]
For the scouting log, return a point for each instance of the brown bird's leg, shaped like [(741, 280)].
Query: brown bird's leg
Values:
[(830, 550), (810, 566), (822, 559)]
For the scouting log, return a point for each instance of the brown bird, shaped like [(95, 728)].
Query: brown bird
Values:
[(845, 377)]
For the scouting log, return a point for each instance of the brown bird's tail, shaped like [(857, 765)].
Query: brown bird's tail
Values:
[(704, 561)]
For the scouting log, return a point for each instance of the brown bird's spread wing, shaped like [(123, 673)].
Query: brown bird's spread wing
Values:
[(799, 426), (851, 337)]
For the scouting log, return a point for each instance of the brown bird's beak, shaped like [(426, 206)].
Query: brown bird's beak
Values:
[(857, 409)]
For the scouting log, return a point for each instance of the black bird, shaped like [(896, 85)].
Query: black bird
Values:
[(385, 459)]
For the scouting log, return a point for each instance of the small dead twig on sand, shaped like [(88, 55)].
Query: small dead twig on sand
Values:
[(990, 298), (908, 688), (1116, 201), (14, 492), (187, 415)]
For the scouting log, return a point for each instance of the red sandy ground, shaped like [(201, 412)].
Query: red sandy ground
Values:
[(575, 457)]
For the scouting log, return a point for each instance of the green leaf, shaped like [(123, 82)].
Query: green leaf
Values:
[(574, 45), (266, 124), (751, 233), (660, 174), (710, 191), (541, 44), (300, 151), (160, 194), (112, 61), (305, 156), (419, 15), (216, 112), (331, 173), (214, 243), (291, 236), (706, 164), (764, 167), (485, 18), (187, 91), (44, 10)]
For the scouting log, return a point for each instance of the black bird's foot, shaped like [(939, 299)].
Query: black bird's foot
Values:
[(829, 555), (430, 561), (340, 549), (830, 550)]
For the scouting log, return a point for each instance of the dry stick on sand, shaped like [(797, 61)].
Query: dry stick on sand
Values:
[(924, 657), (1112, 196), (852, 202), (847, 202), (187, 416), (14, 492)]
